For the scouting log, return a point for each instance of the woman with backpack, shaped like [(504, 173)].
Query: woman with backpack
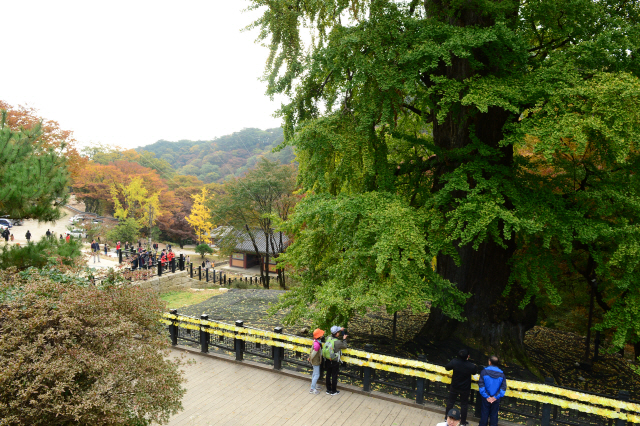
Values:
[(331, 352), (315, 358)]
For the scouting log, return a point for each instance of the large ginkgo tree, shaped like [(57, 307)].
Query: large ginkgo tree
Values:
[(460, 154)]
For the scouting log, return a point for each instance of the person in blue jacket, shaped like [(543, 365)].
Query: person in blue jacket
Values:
[(492, 386)]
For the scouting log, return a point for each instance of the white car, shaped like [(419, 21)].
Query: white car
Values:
[(76, 233)]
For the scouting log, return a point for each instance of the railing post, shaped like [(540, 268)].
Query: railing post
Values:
[(420, 383), (239, 343), (366, 373), (225, 279), (199, 273), (204, 336), (181, 262), (277, 354), (546, 408), (173, 265), (623, 395), (478, 407), (173, 329), (191, 265), (159, 269), (214, 276), (206, 275), (120, 256)]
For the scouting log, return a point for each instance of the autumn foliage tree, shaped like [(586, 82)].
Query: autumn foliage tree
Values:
[(73, 353)]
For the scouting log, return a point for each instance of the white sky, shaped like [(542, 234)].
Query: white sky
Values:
[(129, 73)]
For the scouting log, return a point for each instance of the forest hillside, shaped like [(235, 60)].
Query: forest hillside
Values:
[(223, 157)]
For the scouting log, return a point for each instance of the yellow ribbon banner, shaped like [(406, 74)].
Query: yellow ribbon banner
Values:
[(399, 365)]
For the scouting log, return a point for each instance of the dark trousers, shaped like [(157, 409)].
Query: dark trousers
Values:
[(331, 372), (464, 402), (489, 412)]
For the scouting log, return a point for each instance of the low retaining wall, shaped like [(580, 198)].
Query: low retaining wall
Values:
[(171, 282)]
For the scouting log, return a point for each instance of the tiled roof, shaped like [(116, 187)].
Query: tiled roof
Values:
[(245, 244)]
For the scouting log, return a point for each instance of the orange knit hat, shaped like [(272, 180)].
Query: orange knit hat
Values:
[(317, 333)]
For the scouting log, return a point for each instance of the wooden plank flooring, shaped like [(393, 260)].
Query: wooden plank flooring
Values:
[(221, 393)]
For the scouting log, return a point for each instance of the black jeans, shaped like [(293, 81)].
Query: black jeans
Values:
[(464, 402), (331, 372)]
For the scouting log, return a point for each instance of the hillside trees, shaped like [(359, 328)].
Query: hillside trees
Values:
[(422, 110)]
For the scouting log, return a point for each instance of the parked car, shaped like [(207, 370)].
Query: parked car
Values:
[(14, 222), (77, 218), (77, 233), (6, 223)]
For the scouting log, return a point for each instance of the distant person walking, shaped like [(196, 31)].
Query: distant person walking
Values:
[(95, 249), (106, 249), (68, 237), (331, 351), (460, 386), (315, 358), (5, 235), (492, 386), (48, 233), (28, 235)]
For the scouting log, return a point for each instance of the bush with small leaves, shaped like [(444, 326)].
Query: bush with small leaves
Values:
[(81, 354)]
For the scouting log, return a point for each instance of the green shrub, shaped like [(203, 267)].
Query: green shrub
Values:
[(40, 253), (204, 249)]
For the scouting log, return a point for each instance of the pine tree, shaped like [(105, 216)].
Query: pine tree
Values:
[(33, 177)]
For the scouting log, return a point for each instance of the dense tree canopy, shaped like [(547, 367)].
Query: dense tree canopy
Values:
[(499, 137)]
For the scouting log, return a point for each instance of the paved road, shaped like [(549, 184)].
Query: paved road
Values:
[(220, 393)]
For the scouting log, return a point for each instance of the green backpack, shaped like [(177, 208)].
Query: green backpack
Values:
[(327, 349)]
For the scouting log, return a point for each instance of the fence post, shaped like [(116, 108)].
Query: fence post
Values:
[(225, 279), (204, 336), (173, 265), (239, 343), (200, 273), (191, 266), (623, 395), (420, 383), (173, 329), (120, 256), (366, 374), (206, 275), (181, 262), (214, 276), (478, 407), (546, 408), (159, 269), (277, 354)]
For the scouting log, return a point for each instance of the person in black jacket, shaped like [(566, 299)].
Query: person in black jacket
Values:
[(463, 369)]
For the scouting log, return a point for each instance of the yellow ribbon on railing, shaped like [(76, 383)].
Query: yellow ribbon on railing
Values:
[(398, 366)]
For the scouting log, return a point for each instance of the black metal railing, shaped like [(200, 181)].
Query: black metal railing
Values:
[(186, 330)]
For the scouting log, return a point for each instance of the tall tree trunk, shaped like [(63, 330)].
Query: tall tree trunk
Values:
[(493, 322)]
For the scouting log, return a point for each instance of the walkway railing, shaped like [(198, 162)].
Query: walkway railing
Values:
[(544, 403)]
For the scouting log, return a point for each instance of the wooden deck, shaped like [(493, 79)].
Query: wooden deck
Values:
[(220, 392)]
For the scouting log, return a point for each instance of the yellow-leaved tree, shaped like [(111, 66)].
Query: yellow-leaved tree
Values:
[(136, 202), (200, 217)]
